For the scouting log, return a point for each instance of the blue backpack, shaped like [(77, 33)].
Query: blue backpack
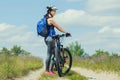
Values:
[(42, 28)]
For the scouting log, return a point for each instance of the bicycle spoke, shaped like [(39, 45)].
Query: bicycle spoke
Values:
[(66, 57)]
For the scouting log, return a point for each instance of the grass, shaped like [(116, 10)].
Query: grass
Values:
[(13, 66), (100, 63), (70, 76), (75, 76)]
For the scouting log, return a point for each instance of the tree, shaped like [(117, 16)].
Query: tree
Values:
[(23, 52), (5, 51), (115, 55), (16, 50), (101, 53), (75, 49)]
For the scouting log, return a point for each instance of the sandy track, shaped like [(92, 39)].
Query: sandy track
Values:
[(33, 75), (91, 75)]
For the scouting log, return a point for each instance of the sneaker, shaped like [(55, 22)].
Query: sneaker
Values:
[(49, 72), (52, 72)]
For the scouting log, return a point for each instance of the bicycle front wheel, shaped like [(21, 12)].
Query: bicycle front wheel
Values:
[(64, 62)]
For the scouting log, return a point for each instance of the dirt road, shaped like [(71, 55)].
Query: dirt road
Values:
[(91, 75), (33, 75)]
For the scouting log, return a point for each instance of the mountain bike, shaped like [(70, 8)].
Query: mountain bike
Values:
[(62, 60)]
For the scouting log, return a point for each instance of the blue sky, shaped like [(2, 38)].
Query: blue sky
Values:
[(95, 24)]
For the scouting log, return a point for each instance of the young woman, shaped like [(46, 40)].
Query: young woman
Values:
[(51, 24)]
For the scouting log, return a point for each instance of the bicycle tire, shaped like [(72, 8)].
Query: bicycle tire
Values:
[(58, 62)]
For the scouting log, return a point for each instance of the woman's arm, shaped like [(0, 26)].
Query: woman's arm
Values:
[(51, 21)]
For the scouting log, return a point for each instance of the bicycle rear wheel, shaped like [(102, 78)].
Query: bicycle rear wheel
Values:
[(63, 62)]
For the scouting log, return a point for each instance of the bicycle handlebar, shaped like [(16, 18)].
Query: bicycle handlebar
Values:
[(61, 35)]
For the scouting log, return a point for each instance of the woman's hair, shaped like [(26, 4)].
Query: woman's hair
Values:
[(49, 9)]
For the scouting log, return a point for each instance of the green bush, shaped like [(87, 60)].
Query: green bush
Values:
[(104, 63), (75, 49), (12, 66)]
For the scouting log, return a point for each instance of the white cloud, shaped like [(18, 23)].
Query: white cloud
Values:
[(73, 17), (70, 16), (5, 26), (105, 29), (21, 35), (107, 7), (108, 29), (8, 30), (12, 33), (20, 38)]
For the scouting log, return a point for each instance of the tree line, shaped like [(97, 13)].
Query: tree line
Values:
[(76, 50), (15, 50)]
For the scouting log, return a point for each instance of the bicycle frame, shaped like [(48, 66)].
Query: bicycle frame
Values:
[(59, 55), (59, 47)]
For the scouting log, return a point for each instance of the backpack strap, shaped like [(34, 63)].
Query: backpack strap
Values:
[(47, 24)]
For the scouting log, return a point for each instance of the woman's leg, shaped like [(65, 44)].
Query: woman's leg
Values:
[(50, 43), (53, 61)]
